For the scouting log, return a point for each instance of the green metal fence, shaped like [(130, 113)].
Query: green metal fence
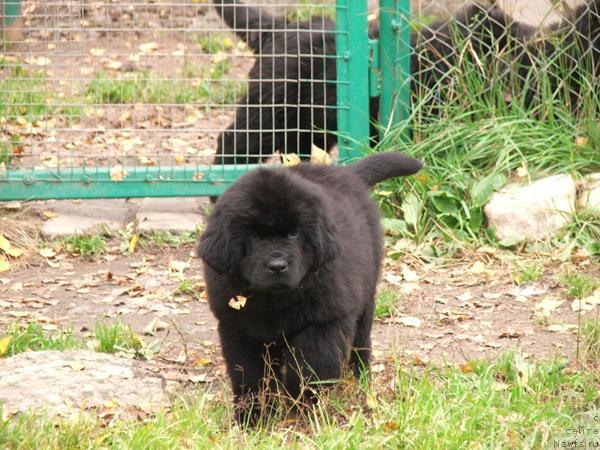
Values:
[(52, 121)]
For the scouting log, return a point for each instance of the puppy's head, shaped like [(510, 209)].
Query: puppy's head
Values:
[(269, 230)]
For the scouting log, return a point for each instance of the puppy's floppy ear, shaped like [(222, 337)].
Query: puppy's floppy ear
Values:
[(325, 243), (215, 246)]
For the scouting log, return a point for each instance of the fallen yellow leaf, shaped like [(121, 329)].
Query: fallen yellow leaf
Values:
[(14, 252), (49, 214), (77, 366), (4, 264), (117, 173), (97, 51), (133, 242), (290, 159), (4, 343), (319, 156), (4, 243)]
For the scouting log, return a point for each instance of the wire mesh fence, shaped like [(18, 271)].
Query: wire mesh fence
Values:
[(539, 57), (140, 91), (152, 94)]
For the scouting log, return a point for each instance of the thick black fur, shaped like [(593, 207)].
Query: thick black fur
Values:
[(475, 33), (573, 50), (303, 245), (291, 97), (290, 86)]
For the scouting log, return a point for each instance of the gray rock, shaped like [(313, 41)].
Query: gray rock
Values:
[(589, 193), (532, 212), (171, 214), (84, 216), (66, 383)]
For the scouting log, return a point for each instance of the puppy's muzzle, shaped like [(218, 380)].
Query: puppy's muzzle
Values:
[(277, 263)]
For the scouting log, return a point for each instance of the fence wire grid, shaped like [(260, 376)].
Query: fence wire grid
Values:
[(154, 90)]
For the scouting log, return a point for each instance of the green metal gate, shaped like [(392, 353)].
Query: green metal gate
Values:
[(364, 68)]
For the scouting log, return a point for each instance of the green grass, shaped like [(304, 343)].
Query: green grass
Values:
[(585, 232), (385, 303), (32, 337), (579, 286), (307, 9), (168, 239), (466, 160), (215, 43), (590, 340), (114, 337), (527, 272), (24, 93), (86, 245), (190, 287), (509, 403), (149, 88), (474, 130), (7, 149)]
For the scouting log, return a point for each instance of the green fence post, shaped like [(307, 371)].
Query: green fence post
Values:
[(10, 11), (394, 55), (352, 42)]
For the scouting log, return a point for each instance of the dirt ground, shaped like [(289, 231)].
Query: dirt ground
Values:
[(467, 309)]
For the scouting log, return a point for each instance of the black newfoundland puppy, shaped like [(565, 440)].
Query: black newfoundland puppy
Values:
[(291, 99), (292, 258)]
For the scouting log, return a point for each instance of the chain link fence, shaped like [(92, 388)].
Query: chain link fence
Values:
[(534, 56), (157, 90)]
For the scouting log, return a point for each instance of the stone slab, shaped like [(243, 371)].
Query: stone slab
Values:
[(171, 214), (85, 216), (67, 383)]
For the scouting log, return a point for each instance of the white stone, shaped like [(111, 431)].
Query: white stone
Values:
[(589, 193), (171, 214), (532, 212)]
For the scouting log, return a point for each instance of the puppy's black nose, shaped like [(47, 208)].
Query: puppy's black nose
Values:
[(277, 265)]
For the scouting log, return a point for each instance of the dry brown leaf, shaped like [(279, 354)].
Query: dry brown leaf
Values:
[(47, 252), (588, 303), (478, 267), (548, 304), (148, 47), (409, 321), (465, 296), (408, 274), (97, 51), (77, 366), (563, 328), (238, 302), (466, 368), (198, 378)]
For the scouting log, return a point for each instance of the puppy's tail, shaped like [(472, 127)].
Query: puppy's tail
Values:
[(381, 166), (249, 23)]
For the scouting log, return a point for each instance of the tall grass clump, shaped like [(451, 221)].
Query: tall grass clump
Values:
[(486, 122)]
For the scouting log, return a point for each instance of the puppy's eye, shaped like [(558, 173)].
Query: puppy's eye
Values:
[(293, 234)]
